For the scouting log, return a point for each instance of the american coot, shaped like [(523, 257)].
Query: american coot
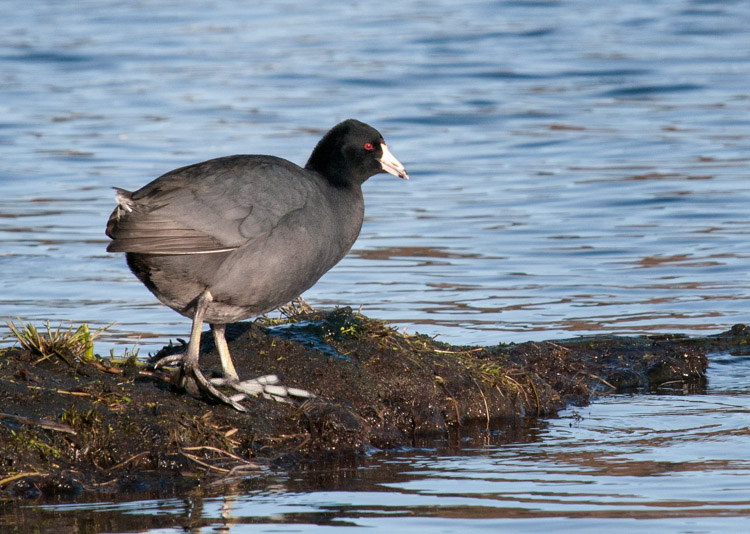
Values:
[(238, 236)]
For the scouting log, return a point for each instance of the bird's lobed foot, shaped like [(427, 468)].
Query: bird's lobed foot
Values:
[(267, 385), (192, 380)]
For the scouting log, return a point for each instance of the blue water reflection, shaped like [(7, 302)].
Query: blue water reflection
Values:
[(577, 167)]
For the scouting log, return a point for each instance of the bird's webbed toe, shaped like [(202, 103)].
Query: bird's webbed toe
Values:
[(192, 379), (267, 385)]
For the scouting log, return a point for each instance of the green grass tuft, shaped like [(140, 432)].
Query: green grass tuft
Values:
[(66, 344)]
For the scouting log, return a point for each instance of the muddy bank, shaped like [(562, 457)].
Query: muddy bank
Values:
[(73, 425)]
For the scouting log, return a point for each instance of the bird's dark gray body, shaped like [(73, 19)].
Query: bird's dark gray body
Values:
[(254, 248), (233, 237)]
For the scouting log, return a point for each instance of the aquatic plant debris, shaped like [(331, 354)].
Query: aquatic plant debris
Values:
[(104, 425), (69, 345)]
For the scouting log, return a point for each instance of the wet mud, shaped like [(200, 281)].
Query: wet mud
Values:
[(71, 426)]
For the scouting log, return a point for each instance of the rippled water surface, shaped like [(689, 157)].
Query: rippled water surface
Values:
[(577, 167)]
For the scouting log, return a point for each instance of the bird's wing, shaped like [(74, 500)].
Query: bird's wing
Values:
[(214, 206)]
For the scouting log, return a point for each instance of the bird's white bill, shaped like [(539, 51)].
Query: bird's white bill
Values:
[(391, 165)]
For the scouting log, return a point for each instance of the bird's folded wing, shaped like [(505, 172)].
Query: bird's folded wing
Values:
[(151, 234), (207, 211)]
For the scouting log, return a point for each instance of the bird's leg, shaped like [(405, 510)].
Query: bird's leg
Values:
[(190, 371), (268, 385), (227, 367), (230, 378), (191, 357), (191, 377)]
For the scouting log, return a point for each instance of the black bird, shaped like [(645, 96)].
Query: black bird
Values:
[(238, 236)]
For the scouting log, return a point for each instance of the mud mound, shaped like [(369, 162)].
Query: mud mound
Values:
[(72, 426)]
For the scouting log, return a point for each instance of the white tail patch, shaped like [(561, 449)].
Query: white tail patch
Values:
[(124, 200)]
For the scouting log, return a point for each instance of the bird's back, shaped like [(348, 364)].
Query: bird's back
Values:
[(255, 230)]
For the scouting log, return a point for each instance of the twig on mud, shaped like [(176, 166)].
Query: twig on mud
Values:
[(106, 369), (295, 309), (518, 385), (210, 467), (131, 459), (600, 379), (486, 406), (243, 463), (281, 439), (449, 396), (214, 449), (458, 413), (49, 425), (536, 396), (458, 351), (19, 475), (63, 392), (107, 483), (564, 349)]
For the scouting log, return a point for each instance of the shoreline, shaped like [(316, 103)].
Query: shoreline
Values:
[(72, 426)]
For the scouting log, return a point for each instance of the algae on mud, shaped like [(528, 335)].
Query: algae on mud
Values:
[(101, 425)]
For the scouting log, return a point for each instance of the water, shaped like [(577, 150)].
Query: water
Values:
[(577, 167)]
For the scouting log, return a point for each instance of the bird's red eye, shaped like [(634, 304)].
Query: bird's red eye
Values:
[(368, 146)]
